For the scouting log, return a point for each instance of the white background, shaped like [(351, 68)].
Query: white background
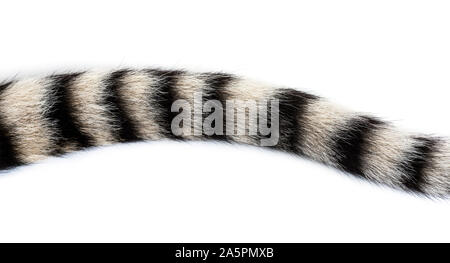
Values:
[(389, 58)]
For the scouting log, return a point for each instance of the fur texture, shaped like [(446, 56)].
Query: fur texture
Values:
[(69, 112)]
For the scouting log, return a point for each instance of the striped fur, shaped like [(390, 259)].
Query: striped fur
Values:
[(69, 112)]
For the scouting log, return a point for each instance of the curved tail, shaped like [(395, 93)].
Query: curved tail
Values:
[(68, 112)]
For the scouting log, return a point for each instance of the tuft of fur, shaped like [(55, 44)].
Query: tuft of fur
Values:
[(62, 113)]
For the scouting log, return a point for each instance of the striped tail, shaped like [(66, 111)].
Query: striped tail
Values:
[(62, 113)]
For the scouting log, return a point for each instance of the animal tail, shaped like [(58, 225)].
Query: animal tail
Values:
[(63, 113)]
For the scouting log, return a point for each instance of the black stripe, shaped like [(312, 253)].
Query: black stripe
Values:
[(292, 106), (164, 95), (126, 129), (415, 163), (216, 84), (349, 143), (60, 112), (8, 154)]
